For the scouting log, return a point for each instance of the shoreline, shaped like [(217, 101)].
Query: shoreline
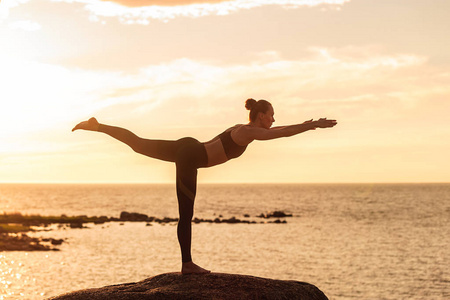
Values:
[(14, 226)]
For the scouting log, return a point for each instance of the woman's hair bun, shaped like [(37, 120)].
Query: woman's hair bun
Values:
[(250, 103)]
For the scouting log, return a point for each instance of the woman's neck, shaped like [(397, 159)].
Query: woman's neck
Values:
[(254, 124)]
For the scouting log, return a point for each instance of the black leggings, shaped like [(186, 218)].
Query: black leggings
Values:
[(188, 154)]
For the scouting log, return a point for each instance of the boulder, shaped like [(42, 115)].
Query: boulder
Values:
[(176, 286), (76, 225), (275, 214), (56, 242), (133, 217)]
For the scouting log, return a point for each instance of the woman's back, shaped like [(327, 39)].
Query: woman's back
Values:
[(223, 147)]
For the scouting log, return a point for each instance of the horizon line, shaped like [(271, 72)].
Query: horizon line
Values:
[(234, 183)]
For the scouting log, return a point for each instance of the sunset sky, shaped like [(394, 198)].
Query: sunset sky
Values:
[(166, 69)]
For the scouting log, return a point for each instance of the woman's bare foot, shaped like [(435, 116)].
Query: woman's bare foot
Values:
[(191, 268), (91, 124)]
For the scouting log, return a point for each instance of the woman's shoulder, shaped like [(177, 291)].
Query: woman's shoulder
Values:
[(241, 135), (237, 126)]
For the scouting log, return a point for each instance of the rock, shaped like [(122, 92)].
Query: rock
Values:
[(175, 286), (231, 220), (21, 243), (76, 225), (166, 220), (278, 221), (133, 217), (101, 220), (56, 242), (275, 214)]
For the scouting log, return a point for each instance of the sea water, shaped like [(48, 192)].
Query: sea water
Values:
[(353, 241)]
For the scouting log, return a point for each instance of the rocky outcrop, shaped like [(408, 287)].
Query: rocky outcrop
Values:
[(175, 286), (275, 214), (23, 242), (80, 221), (13, 226), (133, 217)]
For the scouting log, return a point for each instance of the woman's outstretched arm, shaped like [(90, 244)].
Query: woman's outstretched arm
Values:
[(291, 130), (248, 134)]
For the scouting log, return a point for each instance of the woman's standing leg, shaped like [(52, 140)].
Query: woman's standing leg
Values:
[(189, 159), (186, 190)]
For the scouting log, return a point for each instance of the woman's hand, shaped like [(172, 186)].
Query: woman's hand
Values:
[(323, 123), (91, 124)]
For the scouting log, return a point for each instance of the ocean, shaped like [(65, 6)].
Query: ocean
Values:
[(353, 241)]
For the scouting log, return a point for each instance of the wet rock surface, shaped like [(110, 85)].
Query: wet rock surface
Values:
[(205, 286)]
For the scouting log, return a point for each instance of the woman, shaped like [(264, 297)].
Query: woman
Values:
[(189, 154)]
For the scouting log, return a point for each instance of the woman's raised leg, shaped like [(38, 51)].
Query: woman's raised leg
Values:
[(159, 149)]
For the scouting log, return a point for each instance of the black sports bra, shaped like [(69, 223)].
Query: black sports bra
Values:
[(232, 150)]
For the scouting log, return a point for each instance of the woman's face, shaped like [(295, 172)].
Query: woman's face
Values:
[(267, 118)]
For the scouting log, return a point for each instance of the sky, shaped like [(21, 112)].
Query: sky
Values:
[(167, 69)]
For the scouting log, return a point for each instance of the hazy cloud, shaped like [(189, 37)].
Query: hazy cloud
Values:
[(133, 12), (25, 25), (141, 3), (5, 5), (387, 83)]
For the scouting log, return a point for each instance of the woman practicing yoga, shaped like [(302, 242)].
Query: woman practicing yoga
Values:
[(188, 154)]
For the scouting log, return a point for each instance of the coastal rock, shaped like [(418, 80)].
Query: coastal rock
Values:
[(165, 220), (278, 221), (56, 242), (133, 217), (275, 214), (76, 225), (175, 286), (22, 243)]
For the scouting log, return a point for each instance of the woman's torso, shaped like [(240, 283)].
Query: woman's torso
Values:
[(223, 147)]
